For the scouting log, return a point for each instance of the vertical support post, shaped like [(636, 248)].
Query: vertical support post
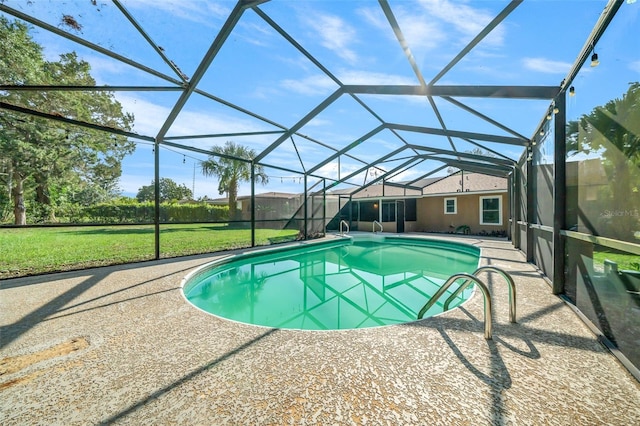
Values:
[(530, 208), (559, 193), (324, 206), (510, 211), (305, 207), (253, 204), (156, 199), (351, 211), (516, 206)]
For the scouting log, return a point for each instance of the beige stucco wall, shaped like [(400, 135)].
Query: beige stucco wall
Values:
[(368, 226), (431, 217)]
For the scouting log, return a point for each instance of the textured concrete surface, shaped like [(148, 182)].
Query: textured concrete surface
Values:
[(121, 345)]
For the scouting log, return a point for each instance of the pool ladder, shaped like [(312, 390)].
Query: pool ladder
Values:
[(469, 278), (375, 222), (344, 222)]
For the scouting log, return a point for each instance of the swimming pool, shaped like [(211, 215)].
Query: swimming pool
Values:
[(355, 282)]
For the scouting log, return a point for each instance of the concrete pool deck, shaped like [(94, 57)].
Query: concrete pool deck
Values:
[(120, 344)]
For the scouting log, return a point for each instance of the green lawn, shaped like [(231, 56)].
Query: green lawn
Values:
[(28, 251), (624, 260)]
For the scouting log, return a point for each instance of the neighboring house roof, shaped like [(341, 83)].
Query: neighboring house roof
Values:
[(218, 201), (285, 195), (466, 182)]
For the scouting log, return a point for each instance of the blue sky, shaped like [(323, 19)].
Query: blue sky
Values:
[(258, 70)]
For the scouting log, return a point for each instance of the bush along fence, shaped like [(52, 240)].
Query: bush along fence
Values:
[(115, 213)]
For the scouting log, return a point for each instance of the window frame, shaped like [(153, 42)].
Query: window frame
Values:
[(481, 208), (455, 205), (389, 207)]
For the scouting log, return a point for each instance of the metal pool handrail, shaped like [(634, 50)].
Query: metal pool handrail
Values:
[(485, 291), (343, 222), (379, 224), (506, 276)]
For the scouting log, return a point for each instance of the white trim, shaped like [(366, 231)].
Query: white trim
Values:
[(488, 197), (455, 205)]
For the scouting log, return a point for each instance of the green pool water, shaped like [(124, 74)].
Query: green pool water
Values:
[(344, 284)]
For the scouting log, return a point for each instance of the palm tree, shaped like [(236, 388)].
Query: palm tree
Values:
[(231, 164)]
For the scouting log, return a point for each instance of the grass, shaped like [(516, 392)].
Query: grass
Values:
[(29, 251), (624, 260)]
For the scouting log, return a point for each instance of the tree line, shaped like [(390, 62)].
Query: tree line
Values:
[(45, 163), (49, 168)]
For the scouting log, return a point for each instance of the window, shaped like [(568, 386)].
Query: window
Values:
[(410, 210), (389, 211), (491, 210), (368, 211), (450, 206)]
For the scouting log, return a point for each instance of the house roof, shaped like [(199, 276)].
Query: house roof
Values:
[(455, 183), (472, 182), (427, 181), (386, 191), (466, 182)]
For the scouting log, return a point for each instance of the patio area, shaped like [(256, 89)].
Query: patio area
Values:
[(121, 345)]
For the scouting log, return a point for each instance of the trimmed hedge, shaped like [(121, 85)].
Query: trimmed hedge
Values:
[(144, 213)]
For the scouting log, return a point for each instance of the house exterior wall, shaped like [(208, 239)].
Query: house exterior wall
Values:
[(368, 226), (431, 215)]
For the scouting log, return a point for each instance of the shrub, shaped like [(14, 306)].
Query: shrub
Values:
[(128, 212)]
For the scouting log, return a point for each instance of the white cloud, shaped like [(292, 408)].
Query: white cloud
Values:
[(407, 175), (257, 34), (103, 66), (434, 26), (371, 78), (319, 122), (546, 65), (330, 170), (420, 32), (312, 85), (635, 66), (437, 23), (194, 123), (335, 34), (149, 118), (465, 19), (190, 10), (320, 84), (374, 16)]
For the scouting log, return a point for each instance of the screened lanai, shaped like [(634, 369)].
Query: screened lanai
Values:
[(105, 106)]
